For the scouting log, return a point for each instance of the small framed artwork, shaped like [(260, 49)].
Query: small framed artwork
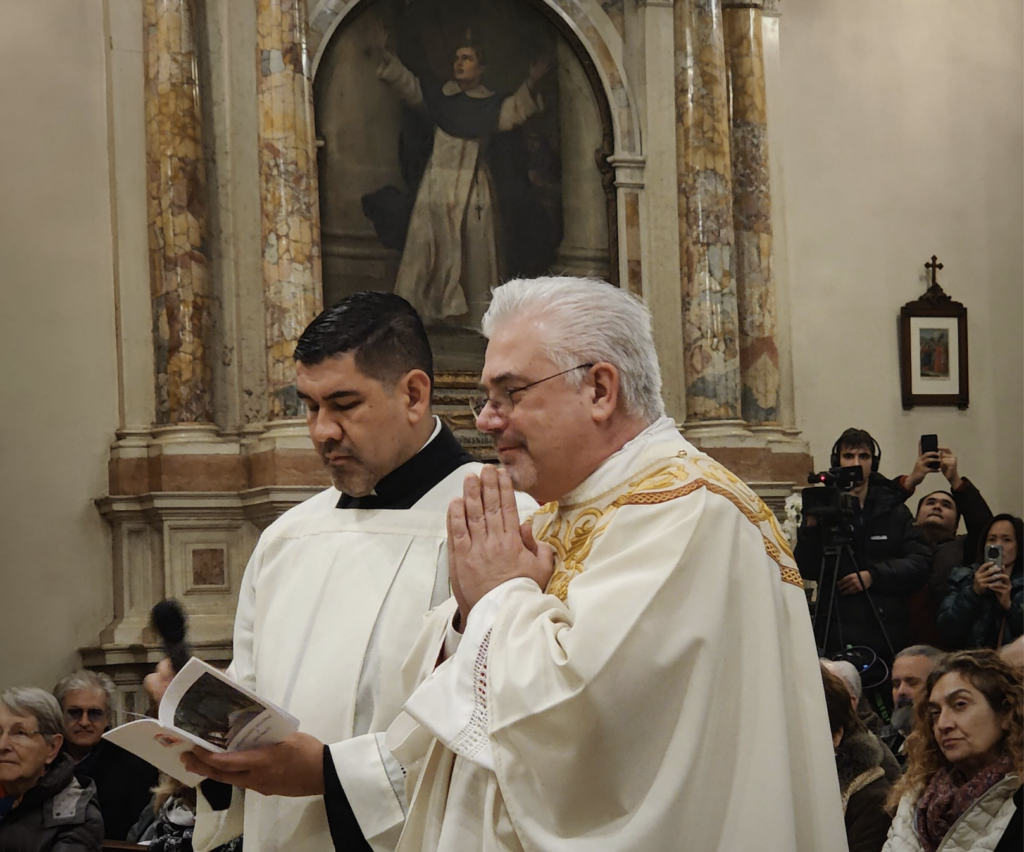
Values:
[(933, 350)]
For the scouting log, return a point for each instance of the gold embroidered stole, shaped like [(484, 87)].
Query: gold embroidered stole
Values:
[(573, 530)]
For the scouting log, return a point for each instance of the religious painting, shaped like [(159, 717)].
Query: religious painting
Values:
[(933, 349), (445, 127), (934, 345)]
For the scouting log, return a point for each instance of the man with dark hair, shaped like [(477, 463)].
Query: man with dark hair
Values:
[(937, 516), (891, 559), (334, 593)]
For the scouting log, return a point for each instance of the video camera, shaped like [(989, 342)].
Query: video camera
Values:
[(833, 503)]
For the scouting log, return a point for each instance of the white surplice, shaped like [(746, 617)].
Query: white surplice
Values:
[(330, 605), (664, 694)]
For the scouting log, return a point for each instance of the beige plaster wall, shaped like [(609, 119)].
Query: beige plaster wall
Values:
[(903, 136), (58, 397)]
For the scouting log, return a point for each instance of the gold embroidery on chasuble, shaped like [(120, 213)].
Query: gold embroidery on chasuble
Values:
[(573, 535)]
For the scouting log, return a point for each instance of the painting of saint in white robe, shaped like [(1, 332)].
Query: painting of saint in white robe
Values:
[(471, 218)]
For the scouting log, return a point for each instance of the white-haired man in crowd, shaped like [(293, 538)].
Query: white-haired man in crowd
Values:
[(124, 782), (636, 668)]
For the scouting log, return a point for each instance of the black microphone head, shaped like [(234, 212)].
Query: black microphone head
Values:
[(168, 618)]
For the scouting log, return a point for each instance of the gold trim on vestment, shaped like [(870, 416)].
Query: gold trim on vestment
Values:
[(573, 537)]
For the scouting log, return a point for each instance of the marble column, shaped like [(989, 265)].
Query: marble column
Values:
[(706, 241), (292, 273), (177, 212), (752, 213)]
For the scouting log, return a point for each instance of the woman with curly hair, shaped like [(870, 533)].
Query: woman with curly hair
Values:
[(962, 787)]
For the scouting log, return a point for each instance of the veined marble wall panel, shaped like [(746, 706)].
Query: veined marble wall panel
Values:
[(228, 74), (752, 219), (660, 226), (292, 271), (774, 101), (616, 12), (706, 236), (177, 206), (192, 546)]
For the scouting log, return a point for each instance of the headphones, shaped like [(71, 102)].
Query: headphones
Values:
[(876, 452)]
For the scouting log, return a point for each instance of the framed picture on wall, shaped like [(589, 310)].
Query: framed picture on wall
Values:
[(933, 349)]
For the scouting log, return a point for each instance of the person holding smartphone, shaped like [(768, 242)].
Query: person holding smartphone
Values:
[(984, 607), (937, 518)]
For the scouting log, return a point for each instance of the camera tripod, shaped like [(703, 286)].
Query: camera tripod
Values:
[(837, 560)]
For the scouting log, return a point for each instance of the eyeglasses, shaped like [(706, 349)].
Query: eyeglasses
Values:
[(19, 738), (504, 400), (95, 714)]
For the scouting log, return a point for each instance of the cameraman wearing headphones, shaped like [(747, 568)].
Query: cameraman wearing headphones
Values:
[(891, 558)]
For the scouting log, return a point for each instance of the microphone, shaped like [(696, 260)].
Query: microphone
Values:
[(168, 619)]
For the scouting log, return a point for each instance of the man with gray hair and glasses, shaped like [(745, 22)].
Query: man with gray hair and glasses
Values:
[(124, 782), (43, 806), (635, 669)]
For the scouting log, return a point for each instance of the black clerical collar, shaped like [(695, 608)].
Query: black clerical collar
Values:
[(407, 483)]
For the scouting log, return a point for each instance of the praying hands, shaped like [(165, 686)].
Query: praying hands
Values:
[(487, 545)]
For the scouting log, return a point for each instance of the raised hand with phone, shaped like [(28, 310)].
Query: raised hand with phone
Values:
[(984, 607), (932, 459)]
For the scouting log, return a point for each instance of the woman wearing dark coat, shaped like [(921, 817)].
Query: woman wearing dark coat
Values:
[(862, 780), (43, 807), (984, 607)]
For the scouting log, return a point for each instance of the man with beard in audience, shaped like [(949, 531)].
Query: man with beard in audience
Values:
[(910, 673)]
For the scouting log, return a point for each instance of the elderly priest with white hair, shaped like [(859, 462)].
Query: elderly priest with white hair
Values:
[(635, 670)]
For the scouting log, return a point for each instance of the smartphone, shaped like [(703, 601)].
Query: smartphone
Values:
[(994, 554), (930, 444)]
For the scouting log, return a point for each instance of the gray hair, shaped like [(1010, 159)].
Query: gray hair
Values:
[(933, 654), (33, 701), (848, 674), (589, 321), (85, 679)]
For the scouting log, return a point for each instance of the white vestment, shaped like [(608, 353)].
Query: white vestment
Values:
[(330, 605), (664, 694), (451, 258)]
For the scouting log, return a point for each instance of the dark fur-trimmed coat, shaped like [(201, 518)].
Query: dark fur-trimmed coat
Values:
[(864, 787)]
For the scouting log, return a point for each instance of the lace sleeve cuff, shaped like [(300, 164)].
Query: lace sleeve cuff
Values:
[(452, 702)]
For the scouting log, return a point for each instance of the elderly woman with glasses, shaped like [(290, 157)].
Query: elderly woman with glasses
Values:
[(43, 806), (123, 781)]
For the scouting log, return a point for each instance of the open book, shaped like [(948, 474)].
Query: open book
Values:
[(203, 707)]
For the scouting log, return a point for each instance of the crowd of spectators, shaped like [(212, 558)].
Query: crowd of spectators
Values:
[(922, 631), (887, 579), (64, 788)]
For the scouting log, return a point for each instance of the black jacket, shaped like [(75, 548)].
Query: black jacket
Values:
[(59, 814), (886, 543), (946, 555), (124, 785), (969, 620)]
